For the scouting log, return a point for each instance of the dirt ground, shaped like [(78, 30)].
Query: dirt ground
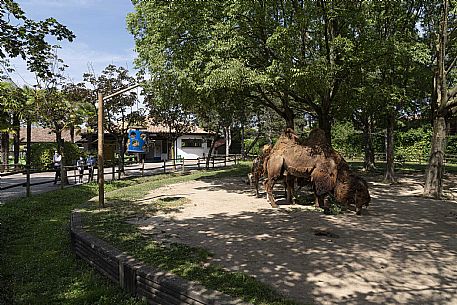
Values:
[(402, 250)]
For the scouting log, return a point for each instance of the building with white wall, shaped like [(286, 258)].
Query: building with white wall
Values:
[(192, 145)]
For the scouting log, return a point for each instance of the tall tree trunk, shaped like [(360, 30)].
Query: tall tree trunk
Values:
[(326, 126), (434, 172), (72, 133), (210, 152), (122, 153), (390, 171), (242, 141), (59, 140), (16, 138), (369, 162), (228, 139), (5, 148)]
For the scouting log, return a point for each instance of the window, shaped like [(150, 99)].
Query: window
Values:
[(191, 143)]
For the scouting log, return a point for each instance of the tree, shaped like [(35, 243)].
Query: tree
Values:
[(168, 107), (21, 36), (119, 112), (289, 56), (440, 22)]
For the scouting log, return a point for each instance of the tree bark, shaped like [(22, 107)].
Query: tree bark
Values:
[(242, 141), (390, 167), (434, 172), (326, 126), (16, 138), (369, 162), (210, 153), (5, 149), (121, 153), (228, 139), (72, 133)]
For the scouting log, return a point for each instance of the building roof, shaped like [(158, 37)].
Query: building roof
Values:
[(46, 135), (164, 129)]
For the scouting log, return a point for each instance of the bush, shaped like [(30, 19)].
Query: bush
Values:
[(346, 140), (41, 154), (413, 143)]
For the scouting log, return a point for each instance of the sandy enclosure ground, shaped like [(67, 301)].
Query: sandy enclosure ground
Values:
[(403, 250)]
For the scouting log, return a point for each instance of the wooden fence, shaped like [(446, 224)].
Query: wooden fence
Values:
[(72, 173)]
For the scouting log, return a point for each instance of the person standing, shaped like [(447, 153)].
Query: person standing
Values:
[(90, 166), (80, 166), (57, 161)]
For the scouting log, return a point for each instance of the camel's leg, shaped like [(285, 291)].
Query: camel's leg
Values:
[(256, 183), (268, 184), (322, 203), (289, 184), (318, 201)]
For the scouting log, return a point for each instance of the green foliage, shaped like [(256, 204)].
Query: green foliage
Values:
[(346, 140), (41, 154), (451, 145), (413, 143), (24, 37)]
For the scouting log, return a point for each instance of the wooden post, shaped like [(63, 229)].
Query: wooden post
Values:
[(27, 157), (225, 161), (63, 173), (113, 174), (235, 159), (213, 162), (142, 165), (198, 163), (164, 166), (182, 165), (101, 177)]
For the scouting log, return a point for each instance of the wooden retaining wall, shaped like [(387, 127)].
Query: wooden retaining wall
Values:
[(146, 282)]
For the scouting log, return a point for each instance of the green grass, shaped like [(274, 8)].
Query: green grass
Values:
[(188, 262), (37, 265)]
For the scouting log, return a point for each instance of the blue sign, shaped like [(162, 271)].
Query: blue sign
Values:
[(136, 141)]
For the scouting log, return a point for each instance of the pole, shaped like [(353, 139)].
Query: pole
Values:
[(27, 156), (101, 177), (63, 173)]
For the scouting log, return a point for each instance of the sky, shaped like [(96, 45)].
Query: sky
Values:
[(101, 35)]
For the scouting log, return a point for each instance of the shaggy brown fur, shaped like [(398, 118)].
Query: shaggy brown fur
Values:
[(315, 161), (352, 190), (257, 169)]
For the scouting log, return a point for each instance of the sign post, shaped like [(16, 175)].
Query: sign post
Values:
[(100, 171)]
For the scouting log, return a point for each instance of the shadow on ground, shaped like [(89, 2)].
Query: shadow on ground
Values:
[(403, 250)]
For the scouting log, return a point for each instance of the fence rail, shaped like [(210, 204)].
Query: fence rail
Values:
[(72, 171)]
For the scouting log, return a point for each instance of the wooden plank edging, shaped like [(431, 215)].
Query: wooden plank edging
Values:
[(147, 282)]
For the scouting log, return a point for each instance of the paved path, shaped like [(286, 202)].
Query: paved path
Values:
[(48, 178)]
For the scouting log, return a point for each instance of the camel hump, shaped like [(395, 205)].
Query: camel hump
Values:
[(316, 137)]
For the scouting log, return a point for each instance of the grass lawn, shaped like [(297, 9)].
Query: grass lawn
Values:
[(37, 265)]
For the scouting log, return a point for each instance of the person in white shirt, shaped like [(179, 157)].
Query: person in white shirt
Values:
[(57, 161), (80, 163)]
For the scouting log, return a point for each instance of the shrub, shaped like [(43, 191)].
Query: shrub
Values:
[(41, 154)]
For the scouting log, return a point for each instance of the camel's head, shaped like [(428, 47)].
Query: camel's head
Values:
[(353, 190), (266, 149)]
